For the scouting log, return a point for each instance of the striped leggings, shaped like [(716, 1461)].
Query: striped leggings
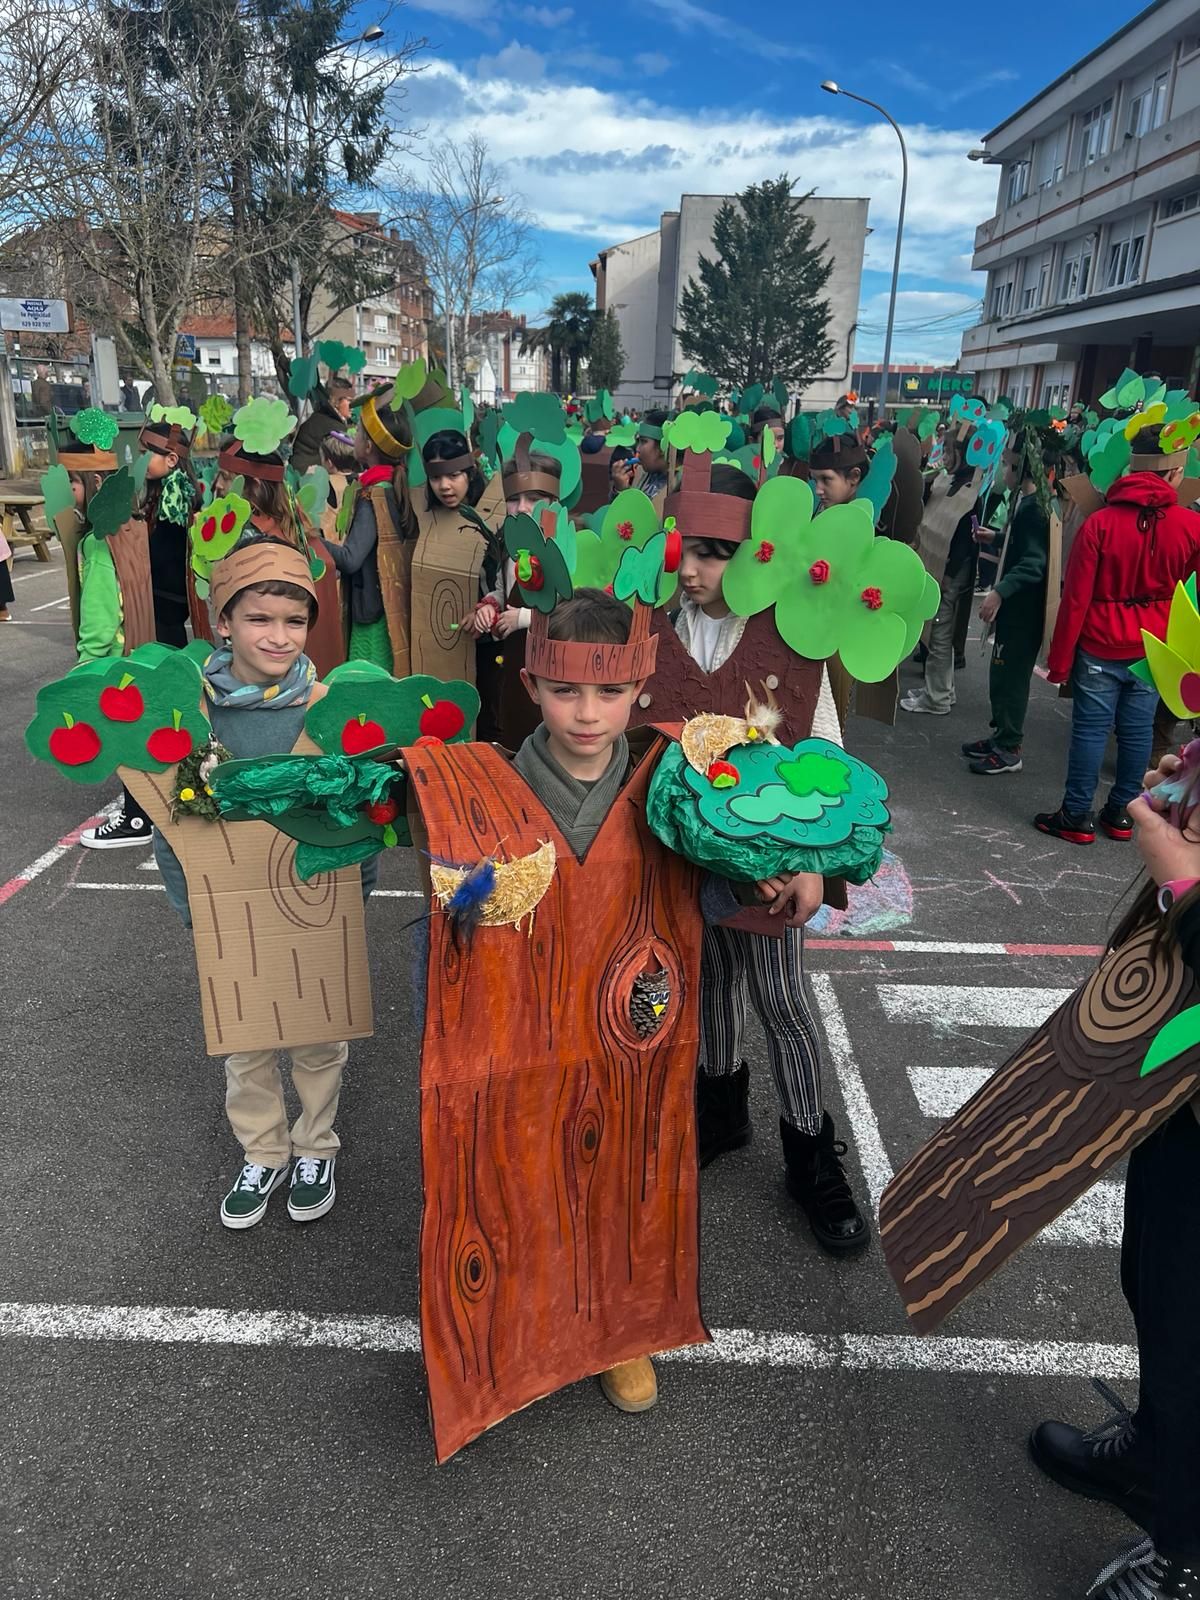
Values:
[(772, 971)]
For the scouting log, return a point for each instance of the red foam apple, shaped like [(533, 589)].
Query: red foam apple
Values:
[(75, 744), (208, 529), (169, 744), (426, 740), (383, 811), (122, 702), (443, 720), (361, 734), (673, 554)]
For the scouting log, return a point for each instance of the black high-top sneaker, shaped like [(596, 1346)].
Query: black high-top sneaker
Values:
[(1110, 1462)]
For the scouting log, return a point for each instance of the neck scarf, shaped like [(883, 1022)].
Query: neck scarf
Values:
[(578, 809), (223, 689)]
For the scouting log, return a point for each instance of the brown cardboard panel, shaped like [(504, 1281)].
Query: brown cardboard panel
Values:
[(280, 961), (558, 1148), (68, 525), (1047, 1126), (1083, 492), (445, 586), (130, 551), (904, 509), (941, 517), (1054, 572)]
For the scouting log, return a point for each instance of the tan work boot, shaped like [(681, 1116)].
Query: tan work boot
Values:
[(632, 1386)]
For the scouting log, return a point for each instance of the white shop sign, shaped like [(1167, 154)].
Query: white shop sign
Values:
[(35, 315)]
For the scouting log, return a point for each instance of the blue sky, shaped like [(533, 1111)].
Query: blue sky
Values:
[(603, 115)]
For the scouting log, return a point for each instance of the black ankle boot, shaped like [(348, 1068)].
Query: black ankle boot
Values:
[(817, 1179), (1110, 1462), (723, 1112)]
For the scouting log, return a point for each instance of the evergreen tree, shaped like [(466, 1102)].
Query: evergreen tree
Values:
[(756, 312), (606, 354)]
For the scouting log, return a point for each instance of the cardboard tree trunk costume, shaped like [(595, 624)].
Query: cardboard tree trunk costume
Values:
[(560, 1229), (1108, 1068), (109, 516)]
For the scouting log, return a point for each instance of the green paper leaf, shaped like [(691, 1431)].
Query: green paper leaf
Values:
[(57, 492), (366, 708), (1174, 1038), (541, 415), (335, 355), (302, 376), (800, 437), (111, 507), (780, 395), (95, 427), (630, 520), (766, 446), (216, 528), (312, 494), (928, 425), (216, 414), (263, 424), (697, 431), (525, 543), (183, 416), (752, 399), (1109, 461), (639, 573), (877, 485), (564, 451), (410, 379)]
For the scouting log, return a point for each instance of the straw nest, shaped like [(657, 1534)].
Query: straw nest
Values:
[(520, 886)]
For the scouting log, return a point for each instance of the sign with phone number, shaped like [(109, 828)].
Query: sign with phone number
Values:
[(35, 315)]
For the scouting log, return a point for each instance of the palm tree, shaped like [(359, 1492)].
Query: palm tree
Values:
[(565, 336)]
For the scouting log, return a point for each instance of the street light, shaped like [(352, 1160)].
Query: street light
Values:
[(832, 88)]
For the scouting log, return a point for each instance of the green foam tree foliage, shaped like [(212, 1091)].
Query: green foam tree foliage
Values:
[(215, 529), (697, 431), (58, 493), (367, 709), (142, 711), (263, 424), (543, 577), (111, 507), (630, 521), (95, 427)]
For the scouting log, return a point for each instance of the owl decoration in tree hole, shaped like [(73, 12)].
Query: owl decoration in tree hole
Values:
[(648, 1001)]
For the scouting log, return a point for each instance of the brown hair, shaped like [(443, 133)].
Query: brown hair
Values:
[(539, 461), (338, 453), (339, 386), (590, 616), (275, 586)]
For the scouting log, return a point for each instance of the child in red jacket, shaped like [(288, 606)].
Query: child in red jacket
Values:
[(1121, 574)]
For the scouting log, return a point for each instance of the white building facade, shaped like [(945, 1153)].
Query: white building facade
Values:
[(643, 280), (1093, 255)]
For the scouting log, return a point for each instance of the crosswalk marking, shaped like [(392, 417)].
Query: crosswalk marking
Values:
[(953, 1006)]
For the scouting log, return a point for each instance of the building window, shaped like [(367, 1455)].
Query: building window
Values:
[(380, 353), (1126, 245), (1018, 182), (1035, 285), (1095, 131), (1148, 109), (1181, 204), (380, 323), (1075, 279), (1050, 158), (212, 358)]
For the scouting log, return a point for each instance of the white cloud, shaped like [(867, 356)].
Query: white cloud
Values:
[(697, 21), (652, 63), (545, 16), (517, 63)]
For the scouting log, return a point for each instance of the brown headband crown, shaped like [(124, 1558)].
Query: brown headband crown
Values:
[(175, 442), (572, 661), (525, 478), (699, 512), (232, 461), (258, 561)]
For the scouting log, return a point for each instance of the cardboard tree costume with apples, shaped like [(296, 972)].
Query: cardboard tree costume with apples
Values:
[(1112, 1064), (559, 1234)]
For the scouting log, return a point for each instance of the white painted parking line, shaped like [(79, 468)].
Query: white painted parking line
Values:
[(49, 605), (385, 894), (863, 1123), (952, 1006), (940, 1091), (739, 1347)]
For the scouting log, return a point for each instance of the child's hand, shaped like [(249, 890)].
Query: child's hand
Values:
[(1168, 854), (989, 606), (793, 897), (483, 619), (508, 622), (985, 535), (1168, 767)]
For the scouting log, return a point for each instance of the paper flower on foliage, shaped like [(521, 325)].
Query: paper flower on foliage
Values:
[(697, 431), (216, 414), (834, 585), (542, 574), (541, 415), (182, 416), (263, 424), (95, 427), (1172, 664)]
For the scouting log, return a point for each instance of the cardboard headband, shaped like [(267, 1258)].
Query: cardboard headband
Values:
[(175, 442), (571, 661), (837, 454), (649, 430), (85, 460), (378, 431), (520, 476), (232, 461), (259, 561), (700, 513), (1157, 462)]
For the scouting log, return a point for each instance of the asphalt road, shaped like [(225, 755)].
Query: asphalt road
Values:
[(164, 1442)]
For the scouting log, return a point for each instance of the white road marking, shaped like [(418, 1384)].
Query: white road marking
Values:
[(950, 1006), (49, 605), (863, 1125), (46, 569), (741, 1347), (55, 853), (944, 947), (941, 1091), (387, 894)]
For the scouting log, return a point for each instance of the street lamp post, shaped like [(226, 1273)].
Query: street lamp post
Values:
[(833, 88)]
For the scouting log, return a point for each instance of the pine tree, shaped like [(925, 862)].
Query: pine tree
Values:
[(756, 312), (606, 354)]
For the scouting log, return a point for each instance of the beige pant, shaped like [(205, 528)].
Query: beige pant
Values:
[(255, 1106)]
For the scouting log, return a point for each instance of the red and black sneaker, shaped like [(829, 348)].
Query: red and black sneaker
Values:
[(1060, 823), (1116, 822), (978, 748)]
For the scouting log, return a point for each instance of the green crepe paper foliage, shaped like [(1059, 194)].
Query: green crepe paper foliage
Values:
[(95, 427), (640, 572), (58, 492), (1181, 434), (410, 379), (111, 507), (335, 355), (367, 710), (542, 575), (834, 585), (541, 415), (697, 431), (799, 437), (302, 375), (142, 711), (320, 801), (809, 808), (263, 424), (700, 383), (1181, 1033), (629, 521), (1109, 461), (216, 414), (564, 452), (877, 485), (184, 416), (600, 407), (215, 529)]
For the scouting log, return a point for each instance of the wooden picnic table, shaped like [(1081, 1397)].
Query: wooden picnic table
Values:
[(16, 507)]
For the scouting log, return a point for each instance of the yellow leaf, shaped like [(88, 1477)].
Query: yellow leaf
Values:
[(1183, 628), (1169, 671)]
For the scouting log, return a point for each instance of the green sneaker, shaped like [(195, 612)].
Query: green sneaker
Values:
[(246, 1202), (313, 1190)]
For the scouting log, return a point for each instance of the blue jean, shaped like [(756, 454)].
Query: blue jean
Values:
[(1107, 695)]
